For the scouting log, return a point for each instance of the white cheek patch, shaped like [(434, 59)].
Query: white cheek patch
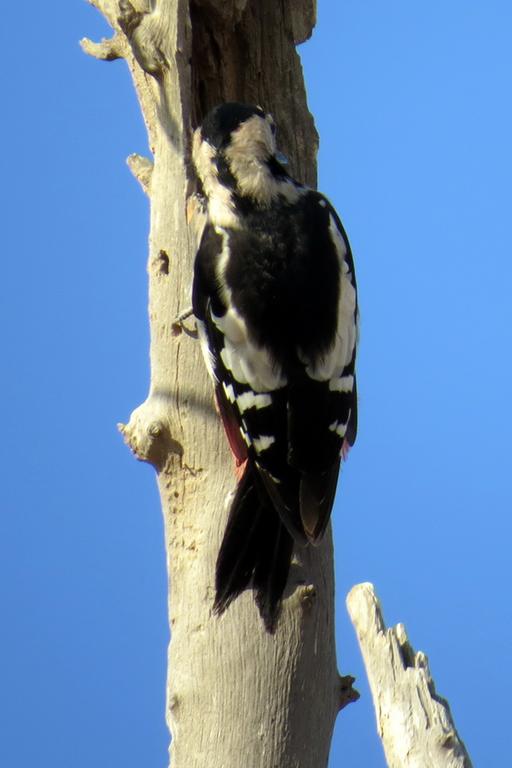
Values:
[(221, 207), (249, 148)]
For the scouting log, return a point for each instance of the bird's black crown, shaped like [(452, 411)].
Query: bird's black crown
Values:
[(221, 121)]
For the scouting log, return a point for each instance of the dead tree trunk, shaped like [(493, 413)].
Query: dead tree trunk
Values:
[(237, 696)]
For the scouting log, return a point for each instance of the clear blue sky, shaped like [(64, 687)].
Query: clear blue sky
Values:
[(412, 102)]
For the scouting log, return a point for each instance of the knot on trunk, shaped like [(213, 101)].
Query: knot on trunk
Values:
[(148, 433)]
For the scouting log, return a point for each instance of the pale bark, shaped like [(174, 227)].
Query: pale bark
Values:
[(414, 722), (237, 696)]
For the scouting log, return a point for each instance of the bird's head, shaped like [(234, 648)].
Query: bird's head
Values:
[(235, 149)]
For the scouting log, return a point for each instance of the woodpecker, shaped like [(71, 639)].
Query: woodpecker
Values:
[(275, 300)]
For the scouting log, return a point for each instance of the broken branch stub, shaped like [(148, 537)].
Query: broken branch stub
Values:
[(414, 722)]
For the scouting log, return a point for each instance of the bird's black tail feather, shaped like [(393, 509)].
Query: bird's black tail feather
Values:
[(256, 547)]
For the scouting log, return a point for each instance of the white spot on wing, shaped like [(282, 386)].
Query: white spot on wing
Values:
[(251, 400), (221, 207), (339, 428), (342, 384), (263, 442), (229, 392), (245, 437), (274, 479)]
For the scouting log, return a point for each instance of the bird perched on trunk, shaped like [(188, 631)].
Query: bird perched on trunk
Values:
[(274, 295)]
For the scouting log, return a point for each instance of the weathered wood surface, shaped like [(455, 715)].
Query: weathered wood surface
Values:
[(414, 722)]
